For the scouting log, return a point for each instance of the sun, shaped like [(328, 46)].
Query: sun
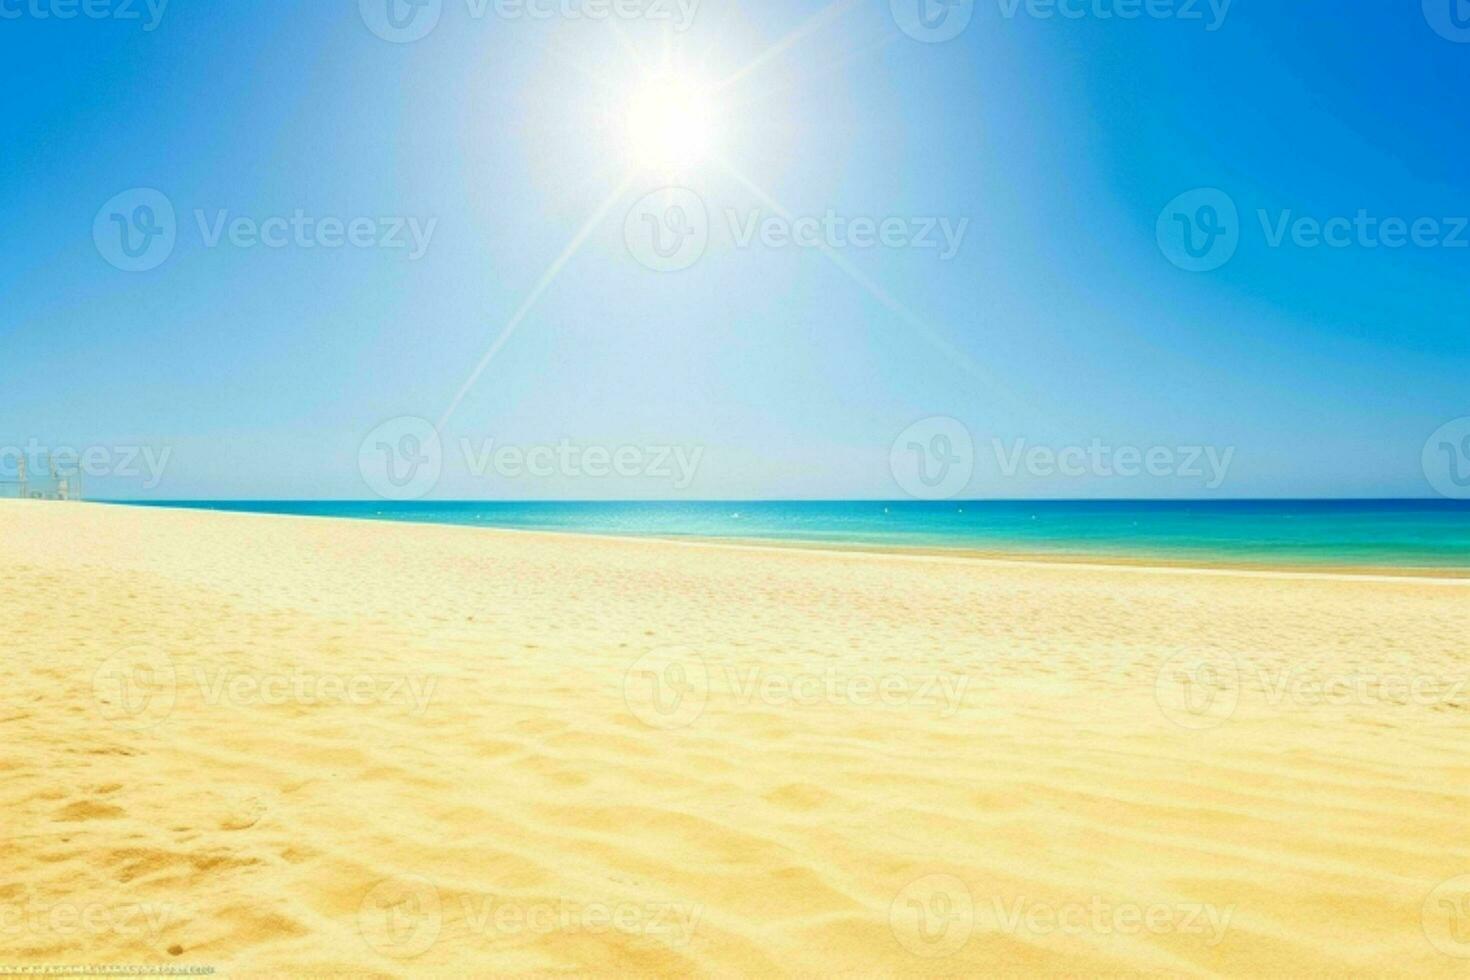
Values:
[(671, 123)]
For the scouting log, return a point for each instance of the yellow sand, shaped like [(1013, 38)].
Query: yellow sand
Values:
[(281, 746)]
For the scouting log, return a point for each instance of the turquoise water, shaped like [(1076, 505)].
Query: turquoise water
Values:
[(1400, 533)]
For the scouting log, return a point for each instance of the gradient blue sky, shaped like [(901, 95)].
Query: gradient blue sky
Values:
[(1060, 140)]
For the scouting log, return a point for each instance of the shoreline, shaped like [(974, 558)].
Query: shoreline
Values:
[(1428, 574)]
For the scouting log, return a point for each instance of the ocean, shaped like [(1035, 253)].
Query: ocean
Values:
[(1430, 534)]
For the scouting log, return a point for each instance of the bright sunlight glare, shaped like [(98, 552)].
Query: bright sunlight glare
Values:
[(671, 123)]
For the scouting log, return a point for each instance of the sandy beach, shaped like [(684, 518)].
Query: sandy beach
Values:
[(281, 746)]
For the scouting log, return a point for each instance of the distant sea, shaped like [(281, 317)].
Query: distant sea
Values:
[(1432, 534)]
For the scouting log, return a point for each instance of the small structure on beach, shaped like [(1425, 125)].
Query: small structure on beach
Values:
[(50, 484)]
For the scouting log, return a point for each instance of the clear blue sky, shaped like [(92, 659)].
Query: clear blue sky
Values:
[(1060, 320)]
